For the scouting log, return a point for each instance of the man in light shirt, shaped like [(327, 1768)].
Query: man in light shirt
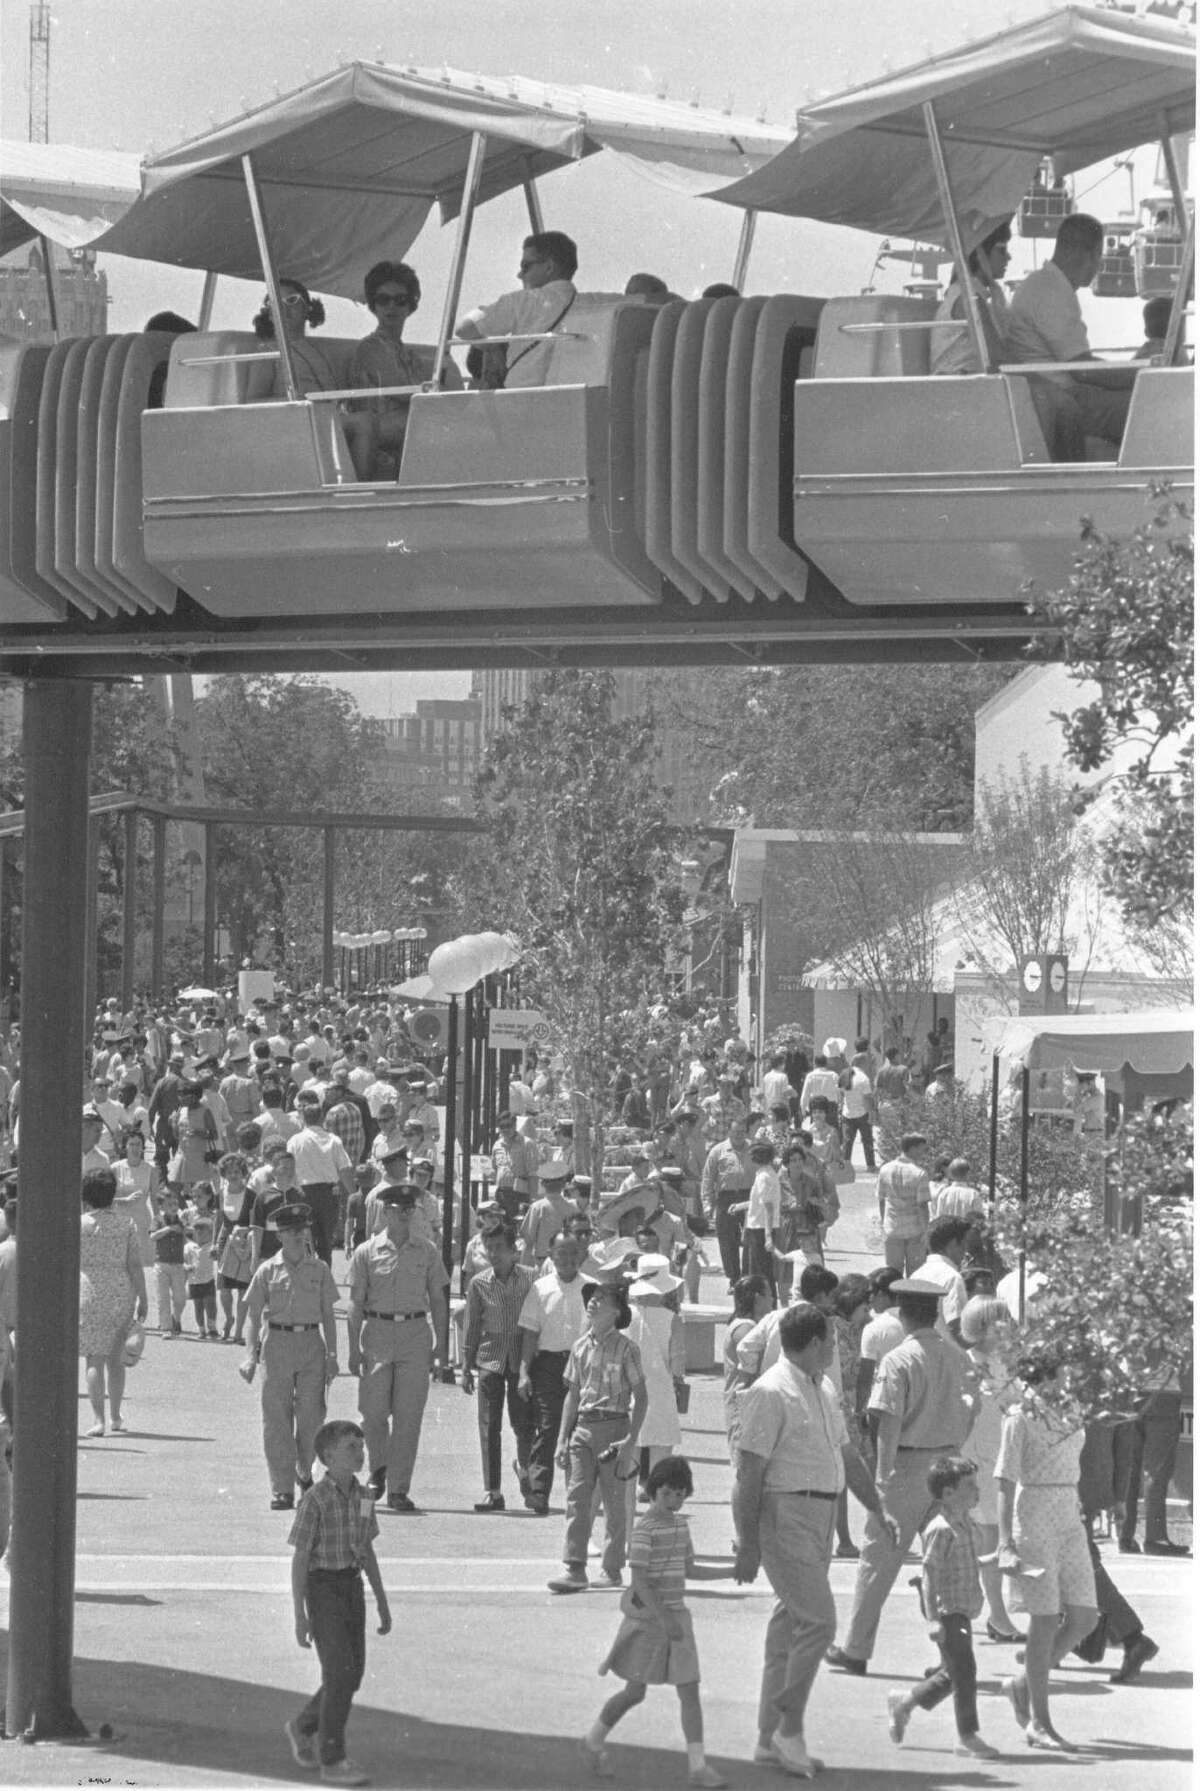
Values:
[(943, 1266), (1045, 323), (551, 1321), (546, 272), (794, 1458), (903, 1190), (321, 1164)]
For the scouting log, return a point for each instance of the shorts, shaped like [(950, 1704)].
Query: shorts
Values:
[(1048, 1532), (232, 1286)]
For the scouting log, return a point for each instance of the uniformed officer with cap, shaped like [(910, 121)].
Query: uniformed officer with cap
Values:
[(290, 1311), (925, 1397), (547, 1214), (397, 1285)]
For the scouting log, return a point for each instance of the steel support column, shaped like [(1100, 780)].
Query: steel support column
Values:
[(129, 910), (470, 1006), (57, 739), (327, 901), (159, 899), (208, 959), (451, 1129), (91, 944)]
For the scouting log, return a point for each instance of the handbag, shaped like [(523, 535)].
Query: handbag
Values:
[(683, 1396), (135, 1343)]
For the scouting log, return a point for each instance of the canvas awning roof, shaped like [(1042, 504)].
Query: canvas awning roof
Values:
[(1080, 84), (1153, 1042), (69, 195), (351, 165)]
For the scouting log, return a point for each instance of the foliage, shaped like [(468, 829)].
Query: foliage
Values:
[(962, 1128), (1126, 624), (1115, 1309), (580, 861), (784, 751), (1029, 881)]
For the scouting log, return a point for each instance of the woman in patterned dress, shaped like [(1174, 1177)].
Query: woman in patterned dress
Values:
[(112, 1286)]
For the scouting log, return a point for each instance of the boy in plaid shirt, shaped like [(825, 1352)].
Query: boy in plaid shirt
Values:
[(333, 1536), (951, 1595)]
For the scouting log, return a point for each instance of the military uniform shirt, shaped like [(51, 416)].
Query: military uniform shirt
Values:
[(299, 1293), (390, 1277)]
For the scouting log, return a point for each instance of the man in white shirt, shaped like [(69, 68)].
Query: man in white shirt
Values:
[(794, 1458), (1045, 323), (546, 272), (93, 1156), (881, 1333), (321, 1165), (551, 1322), (821, 1081), (858, 1109)]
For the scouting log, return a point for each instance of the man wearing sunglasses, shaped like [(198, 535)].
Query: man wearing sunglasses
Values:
[(546, 272)]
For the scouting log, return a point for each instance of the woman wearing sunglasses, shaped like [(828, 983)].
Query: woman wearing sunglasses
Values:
[(393, 293)]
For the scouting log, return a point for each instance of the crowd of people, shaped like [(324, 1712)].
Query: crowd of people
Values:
[(234, 1154)]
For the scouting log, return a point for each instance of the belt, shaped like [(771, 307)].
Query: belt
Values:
[(272, 1326), (592, 1416), (552, 1352), (927, 1448), (805, 1492), (334, 1573), (394, 1318)]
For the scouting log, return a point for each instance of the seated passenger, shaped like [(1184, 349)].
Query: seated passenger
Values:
[(720, 289), (393, 293), (1045, 323), (953, 351), (547, 271), (648, 286), (1156, 315), (313, 370)]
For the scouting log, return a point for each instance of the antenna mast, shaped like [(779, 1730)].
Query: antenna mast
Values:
[(39, 71)]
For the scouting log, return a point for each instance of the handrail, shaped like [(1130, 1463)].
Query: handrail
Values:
[(520, 336), (919, 323), (1084, 367)]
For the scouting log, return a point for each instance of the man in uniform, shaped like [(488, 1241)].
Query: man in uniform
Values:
[(292, 1330), (397, 1284), (548, 1213), (925, 1400)]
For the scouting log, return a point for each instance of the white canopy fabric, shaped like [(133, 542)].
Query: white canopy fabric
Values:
[(1153, 1042), (1080, 84), (351, 165), (69, 195)]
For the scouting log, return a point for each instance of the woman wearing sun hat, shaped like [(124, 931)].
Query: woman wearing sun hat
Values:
[(657, 1330)]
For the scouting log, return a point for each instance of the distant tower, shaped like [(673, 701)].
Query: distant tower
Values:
[(39, 71)]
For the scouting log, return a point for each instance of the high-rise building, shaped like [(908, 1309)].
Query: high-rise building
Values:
[(496, 691), (435, 750), (80, 292)]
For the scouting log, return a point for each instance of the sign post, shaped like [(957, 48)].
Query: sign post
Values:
[(517, 1028)]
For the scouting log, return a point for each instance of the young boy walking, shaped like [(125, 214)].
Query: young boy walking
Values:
[(333, 1538), (951, 1595)]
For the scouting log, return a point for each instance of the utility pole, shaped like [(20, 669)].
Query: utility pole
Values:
[(39, 71)]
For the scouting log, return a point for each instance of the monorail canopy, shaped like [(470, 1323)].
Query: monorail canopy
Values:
[(1079, 84), (71, 196), (352, 165)]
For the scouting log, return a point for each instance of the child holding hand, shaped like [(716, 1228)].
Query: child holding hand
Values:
[(951, 1595), (655, 1644)]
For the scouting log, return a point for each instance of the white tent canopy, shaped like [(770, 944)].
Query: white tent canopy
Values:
[(1080, 84), (1154, 1042), (351, 165), (69, 195)]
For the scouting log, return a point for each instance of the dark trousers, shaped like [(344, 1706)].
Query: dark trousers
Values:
[(729, 1231), (493, 1388), (1119, 1622), (1147, 1446), (956, 1674), (203, 1295), (322, 1198), (546, 1373), (756, 1255), (337, 1622), (859, 1128)]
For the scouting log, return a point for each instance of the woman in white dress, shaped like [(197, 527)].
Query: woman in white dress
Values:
[(657, 1331), (137, 1185), (986, 1325)]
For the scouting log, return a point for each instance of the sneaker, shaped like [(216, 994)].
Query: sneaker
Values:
[(845, 1663), (976, 1746), (599, 1764), (612, 1579), (304, 1747), (282, 1501), (707, 1776), (791, 1753), (897, 1717), (764, 1754), (343, 1772), (1017, 1693), (117, 1425), (573, 1580), (491, 1502)]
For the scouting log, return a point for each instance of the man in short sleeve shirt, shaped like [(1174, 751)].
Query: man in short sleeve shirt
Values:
[(546, 272)]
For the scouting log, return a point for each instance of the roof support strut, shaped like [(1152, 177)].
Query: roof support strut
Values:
[(465, 220), (961, 263), (271, 274)]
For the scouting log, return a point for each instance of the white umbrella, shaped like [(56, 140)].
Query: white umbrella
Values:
[(197, 995)]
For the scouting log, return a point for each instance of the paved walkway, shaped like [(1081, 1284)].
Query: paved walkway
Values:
[(184, 1643)]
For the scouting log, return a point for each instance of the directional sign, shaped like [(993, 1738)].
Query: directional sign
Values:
[(515, 1028)]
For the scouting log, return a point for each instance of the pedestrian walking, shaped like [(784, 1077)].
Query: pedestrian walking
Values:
[(724, 1184), (552, 1320), (492, 1355), (333, 1539), (656, 1644), (904, 1195), (290, 1318), (951, 1596), (397, 1289), (112, 1289), (170, 1277)]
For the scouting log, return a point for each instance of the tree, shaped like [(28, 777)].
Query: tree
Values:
[(1029, 882), (581, 863), (1126, 624)]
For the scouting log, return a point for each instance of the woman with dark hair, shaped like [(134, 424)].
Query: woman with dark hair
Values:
[(314, 373), (393, 293), (953, 351), (137, 1186), (112, 1287), (1043, 1545), (194, 1131)]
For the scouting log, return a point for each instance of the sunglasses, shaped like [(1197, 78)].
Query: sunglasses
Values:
[(294, 298)]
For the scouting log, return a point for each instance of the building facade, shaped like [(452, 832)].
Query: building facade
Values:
[(80, 292), (436, 749)]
